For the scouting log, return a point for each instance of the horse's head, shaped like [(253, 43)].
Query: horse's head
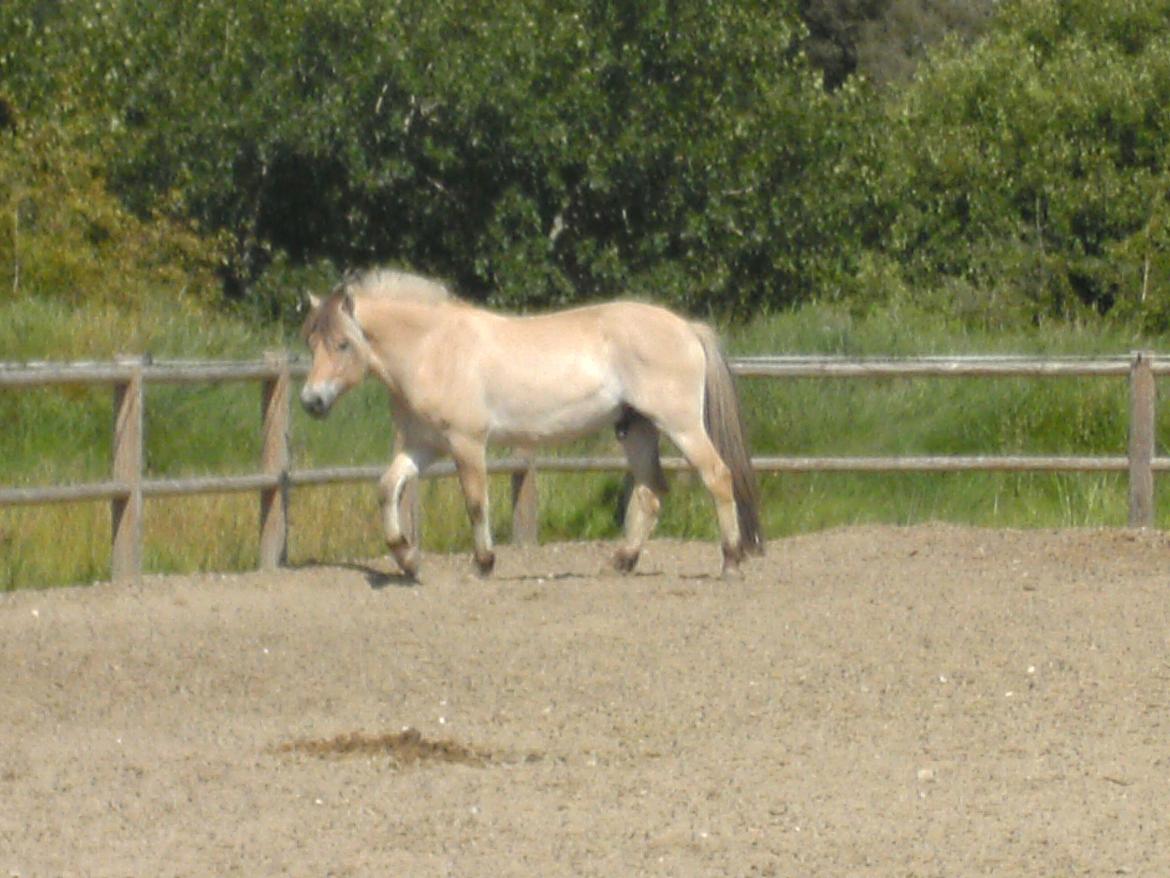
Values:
[(339, 351)]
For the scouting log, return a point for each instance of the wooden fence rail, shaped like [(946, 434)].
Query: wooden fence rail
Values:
[(128, 487)]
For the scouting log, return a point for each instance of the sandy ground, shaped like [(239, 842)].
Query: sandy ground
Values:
[(929, 701)]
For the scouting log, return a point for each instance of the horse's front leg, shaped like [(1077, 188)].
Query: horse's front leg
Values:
[(471, 464), (404, 469)]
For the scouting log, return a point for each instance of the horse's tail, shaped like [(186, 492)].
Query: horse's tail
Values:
[(723, 419)]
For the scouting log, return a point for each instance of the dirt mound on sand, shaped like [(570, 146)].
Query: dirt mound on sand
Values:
[(402, 749), (866, 701), (407, 747)]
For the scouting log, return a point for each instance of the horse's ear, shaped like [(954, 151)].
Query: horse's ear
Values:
[(314, 302), (347, 302)]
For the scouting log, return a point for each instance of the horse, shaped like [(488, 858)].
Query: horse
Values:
[(461, 377)]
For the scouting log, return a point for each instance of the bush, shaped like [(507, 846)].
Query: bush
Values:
[(531, 153), (66, 237), (1035, 164)]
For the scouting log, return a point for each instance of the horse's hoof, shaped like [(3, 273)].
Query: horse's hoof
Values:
[(624, 561), (485, 563), (732, 557), (407, 558)]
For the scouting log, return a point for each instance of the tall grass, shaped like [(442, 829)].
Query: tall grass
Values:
[(937, 416), (58, 435)]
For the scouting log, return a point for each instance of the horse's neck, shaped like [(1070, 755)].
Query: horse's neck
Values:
[(395, 331)]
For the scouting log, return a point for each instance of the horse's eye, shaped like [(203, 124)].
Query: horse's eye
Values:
[(343, 345)]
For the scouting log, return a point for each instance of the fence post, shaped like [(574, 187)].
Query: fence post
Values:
[(1142, 399), (274, 460), (525, 505), (126, 511)]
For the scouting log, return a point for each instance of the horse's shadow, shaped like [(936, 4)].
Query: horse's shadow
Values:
[(375, 578), (380, 579)]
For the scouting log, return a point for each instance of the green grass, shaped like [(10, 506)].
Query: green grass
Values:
[(58, 435)]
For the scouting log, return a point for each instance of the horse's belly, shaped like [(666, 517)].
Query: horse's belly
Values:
[(540, 424)]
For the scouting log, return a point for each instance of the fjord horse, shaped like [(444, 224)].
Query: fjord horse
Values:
[(460, 377)]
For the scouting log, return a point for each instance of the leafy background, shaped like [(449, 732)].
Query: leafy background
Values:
[(727, 157)]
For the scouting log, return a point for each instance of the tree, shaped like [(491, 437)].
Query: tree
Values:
[(1035, 165), (885, 40), (534, 152)]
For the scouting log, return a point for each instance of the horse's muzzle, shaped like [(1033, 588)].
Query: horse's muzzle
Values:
[(315, 402)]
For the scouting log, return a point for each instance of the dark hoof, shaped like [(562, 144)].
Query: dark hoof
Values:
[(732, 558), (406, 557), (625, 561), (485, 563)]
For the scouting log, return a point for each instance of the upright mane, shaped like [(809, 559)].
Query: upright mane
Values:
[(385, 283), (394, 284)]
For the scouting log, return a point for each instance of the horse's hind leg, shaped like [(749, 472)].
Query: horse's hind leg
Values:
[(639, 438), (471, 465), (404, 469), (699, 451)]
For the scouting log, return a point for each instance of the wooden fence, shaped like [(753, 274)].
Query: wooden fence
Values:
[(128, 487)]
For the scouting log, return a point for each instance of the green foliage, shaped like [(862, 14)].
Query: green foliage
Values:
[(64, 236), (533, 152), (1033, 168), (885, 40), (540, 152)]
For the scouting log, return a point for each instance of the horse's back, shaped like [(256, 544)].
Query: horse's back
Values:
[(569, 372), (601, 331)]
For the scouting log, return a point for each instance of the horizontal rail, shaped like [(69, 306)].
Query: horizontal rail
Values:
[(38, 495), (209, 485), (935, 367), (937, 463), (946, 464), (150, 488), (336, 475), (170, 372), (352, 474), (201, 371)]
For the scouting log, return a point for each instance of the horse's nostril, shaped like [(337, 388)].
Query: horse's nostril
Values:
[(313, 403)]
